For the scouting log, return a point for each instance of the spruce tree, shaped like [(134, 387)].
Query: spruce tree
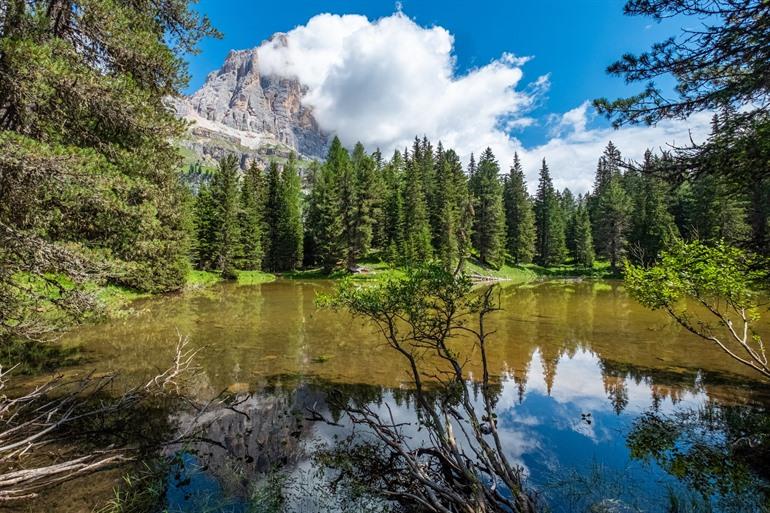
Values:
[(489, 222), (583, 244), (324, 218), (225, 196), (289, 243), (273, 212), (652, 225), (614, 209), (551, 244), (251, 215), (393, 208), (451, 199), (362, 215), (607, 168), (519, 215), (205, 226), (417, 233)]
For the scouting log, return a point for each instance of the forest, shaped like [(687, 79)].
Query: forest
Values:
[(424, 204), (383, 358)]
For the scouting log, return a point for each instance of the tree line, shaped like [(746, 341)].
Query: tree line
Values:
[(422, 204)]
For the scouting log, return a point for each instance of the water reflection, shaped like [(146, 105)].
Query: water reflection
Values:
[(589, 385), (580, 445)]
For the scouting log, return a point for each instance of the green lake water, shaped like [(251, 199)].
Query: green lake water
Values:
[(591, 382)]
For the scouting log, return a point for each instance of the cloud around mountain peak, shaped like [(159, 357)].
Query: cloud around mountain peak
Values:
[(385, 81)]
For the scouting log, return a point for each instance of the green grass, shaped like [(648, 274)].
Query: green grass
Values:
[(115, 297), (202, 279), (376, 270), (254, 277), (600, 269), (516, 274)]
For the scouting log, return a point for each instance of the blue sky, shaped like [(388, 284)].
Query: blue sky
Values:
[(571, 42)]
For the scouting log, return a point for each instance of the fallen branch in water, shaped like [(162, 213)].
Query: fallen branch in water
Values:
[(42, 417)]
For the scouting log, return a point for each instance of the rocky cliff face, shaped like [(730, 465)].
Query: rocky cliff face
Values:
[(241, 110)]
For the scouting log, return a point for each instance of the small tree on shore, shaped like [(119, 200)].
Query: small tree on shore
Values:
[(709, 290), (463, 467)]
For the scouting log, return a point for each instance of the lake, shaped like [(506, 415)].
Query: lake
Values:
[(608, 407)]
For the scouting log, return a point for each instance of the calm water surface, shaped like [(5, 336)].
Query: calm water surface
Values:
[(605, 404)]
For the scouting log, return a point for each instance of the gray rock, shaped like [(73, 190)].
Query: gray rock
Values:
[(269, 107)]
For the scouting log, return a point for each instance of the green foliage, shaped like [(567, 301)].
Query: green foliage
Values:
[(519, 216), (551, 243), (583, 244), (89, 179), (489, 221), (225, 196), (417, 233), (711, 291), (284, 218), (361, 214), (251, 219), (696, 270)]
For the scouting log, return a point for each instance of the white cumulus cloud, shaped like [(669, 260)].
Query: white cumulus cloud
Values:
[(383, 82)]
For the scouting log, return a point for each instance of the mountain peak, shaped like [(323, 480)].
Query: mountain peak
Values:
[(239, 101)]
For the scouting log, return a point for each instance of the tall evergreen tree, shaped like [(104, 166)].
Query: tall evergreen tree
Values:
[(205, 229), (324, 218), (251, 216), (551, 244), (417, 233), (519, 215), (225, 196), (361, 218), (652, 226), (393, 208), (290, 227), (451, 198), (489, 222), (613, 208), (583, 244), (607, 168)]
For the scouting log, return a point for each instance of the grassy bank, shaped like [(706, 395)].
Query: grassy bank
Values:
[(376, 270), (115, 298)]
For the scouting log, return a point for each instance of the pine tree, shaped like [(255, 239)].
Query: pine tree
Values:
[(489, 222), (204, 221), (361, 218), (273, 216), (519, 215), (225, 196), (607, 168), (652, 225), (393, 209), (613, 209), (451, 199), (417, 233), (324, 218), (551, 244), (251, 215), (290, 225), (568, 208), (583, 244)]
